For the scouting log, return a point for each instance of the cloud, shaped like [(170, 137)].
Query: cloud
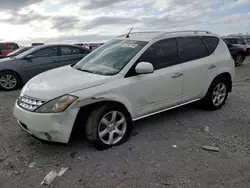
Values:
[(17, 18), (94, 4), (92, 20), (110, 20), (16, 4), (64, 23)]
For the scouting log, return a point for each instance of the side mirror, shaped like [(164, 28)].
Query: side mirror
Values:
[(29, 57), (144, 68)]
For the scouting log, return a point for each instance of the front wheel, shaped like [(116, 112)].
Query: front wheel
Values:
[(108, 126), (217, 94), (9, 81)]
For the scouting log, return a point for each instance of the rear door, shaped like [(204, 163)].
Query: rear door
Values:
[(70, 55), (43, 60), (199, 67)]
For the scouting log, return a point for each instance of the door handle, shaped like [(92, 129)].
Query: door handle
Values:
[(212, 66), (53, 61), (176, 75)]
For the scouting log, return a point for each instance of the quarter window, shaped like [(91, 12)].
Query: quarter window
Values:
[(161, 54), (212, 42), (192, 48), (47, 52)]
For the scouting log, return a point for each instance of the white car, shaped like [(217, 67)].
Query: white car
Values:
[(126, 79)]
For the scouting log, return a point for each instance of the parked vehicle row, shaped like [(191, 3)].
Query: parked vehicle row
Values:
[(7, 47), (128, 78), (238, 53), (17, 70)]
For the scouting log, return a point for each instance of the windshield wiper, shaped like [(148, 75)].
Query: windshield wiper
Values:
[(84, 70)]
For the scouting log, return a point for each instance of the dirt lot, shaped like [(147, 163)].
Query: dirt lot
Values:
[(148, 159)]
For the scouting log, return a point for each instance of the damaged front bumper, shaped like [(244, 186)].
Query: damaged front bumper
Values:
[(53, 127)]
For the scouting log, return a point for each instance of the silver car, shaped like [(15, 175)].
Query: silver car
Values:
[(16, 71)]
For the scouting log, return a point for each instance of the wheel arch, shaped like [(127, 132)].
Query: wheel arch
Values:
[(225, 75), (85, 111), (9, 70), (15, 72)]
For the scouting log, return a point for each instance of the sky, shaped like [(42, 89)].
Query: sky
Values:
[(70, 21)]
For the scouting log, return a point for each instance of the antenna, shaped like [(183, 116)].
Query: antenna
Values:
[(129, 32)]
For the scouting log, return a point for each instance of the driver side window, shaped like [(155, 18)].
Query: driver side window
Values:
[(161, 54), (47, 52)]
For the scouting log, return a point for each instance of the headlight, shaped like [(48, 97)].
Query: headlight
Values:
[(57, 105)]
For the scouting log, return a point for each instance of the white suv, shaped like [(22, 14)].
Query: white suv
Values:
[(126, 79)]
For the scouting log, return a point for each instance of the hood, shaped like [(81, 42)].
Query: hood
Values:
[(60, 81), (2, 60)]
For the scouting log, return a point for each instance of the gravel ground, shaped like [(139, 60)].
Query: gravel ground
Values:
[(148, 159)]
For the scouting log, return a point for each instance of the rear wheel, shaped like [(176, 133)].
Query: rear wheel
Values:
[(108, 126), (239, 60), (9, 80), (217, 94)]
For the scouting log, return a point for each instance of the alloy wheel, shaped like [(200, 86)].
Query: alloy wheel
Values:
[(112, 127), (219, 94), (8, 81)]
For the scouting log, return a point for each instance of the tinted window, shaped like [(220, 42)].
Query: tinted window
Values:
[(239, 41), (76, 51), (192, 48), (161, 54), (65, 50), (47, 52), (212, 43)]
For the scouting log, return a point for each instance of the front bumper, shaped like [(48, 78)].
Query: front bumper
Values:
[(54, 127)]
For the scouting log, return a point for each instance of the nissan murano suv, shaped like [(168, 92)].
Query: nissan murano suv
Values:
[(128, 78)]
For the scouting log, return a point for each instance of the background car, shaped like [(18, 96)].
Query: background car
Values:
[(238, 41), (7, 47), (15, 71), (17, 51), (237, 52)]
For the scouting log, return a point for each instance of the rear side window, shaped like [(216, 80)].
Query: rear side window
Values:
[(161, 54), (76, 51), (68, 50), (212, 43), (192, 48)]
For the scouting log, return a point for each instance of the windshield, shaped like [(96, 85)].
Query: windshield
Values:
[(110, 58), (18, 51), (21, 55)]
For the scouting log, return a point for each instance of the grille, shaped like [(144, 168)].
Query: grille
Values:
[(29, 103)]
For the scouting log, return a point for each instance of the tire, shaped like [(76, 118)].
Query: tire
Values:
[(9, 81), (209, 100), (100, 126), (239, 60)]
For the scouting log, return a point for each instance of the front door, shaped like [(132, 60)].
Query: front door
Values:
[(161, 89), (43, 60)]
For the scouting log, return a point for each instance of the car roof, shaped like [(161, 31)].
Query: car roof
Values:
[(52, 45), (152, 35)]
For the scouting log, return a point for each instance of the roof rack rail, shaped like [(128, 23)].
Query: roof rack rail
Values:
[(195, 31), (184, 31)]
